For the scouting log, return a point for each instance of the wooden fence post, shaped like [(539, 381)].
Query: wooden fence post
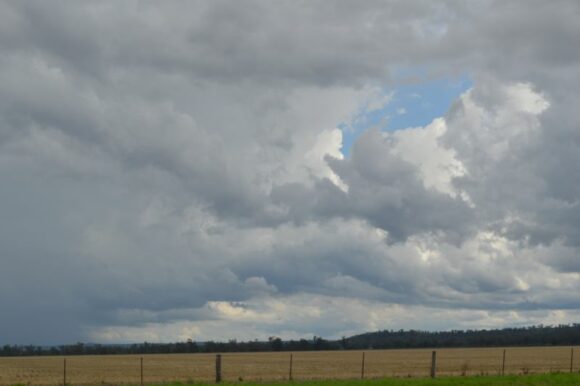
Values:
[(218, 368), (503, 363), (572, 359), (362, 371), (290, 371), (433, 363), (64, 372), (141, 371)]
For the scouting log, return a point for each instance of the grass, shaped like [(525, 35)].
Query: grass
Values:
[(508, 380), (398, 365)]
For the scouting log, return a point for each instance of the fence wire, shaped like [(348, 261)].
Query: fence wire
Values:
[(280, 366)]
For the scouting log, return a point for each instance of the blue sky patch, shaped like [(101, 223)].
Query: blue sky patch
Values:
[(412, 105)]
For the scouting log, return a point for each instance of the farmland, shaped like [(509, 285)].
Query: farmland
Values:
[(126, 369), (508, 380)]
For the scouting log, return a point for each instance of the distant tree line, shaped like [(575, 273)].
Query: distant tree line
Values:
[(273, 344), (561, 335)]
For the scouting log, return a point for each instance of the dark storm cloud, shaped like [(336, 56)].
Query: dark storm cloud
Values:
[(159, 161)]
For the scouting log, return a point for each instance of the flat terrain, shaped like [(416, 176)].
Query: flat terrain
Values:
[(275, 366), (508, 380)]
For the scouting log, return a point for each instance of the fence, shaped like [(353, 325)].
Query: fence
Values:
[(139, 370)]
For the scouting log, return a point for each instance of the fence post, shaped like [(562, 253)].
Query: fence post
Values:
[(64, 372), (290, 371), (362, 371), (433, 363), (141, 371), (503, 363), (572, 359), (218, 368)]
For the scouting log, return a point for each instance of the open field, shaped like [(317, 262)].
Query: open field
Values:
[(508, 380), (125, 369)]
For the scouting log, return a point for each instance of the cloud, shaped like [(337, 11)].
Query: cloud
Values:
[(302, 315), (176, 171)]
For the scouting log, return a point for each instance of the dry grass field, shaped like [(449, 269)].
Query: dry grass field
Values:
[(125, 369)]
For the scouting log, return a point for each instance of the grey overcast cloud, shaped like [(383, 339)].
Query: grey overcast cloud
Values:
[(233, 169)]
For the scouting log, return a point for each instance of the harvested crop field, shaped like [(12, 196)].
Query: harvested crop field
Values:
[(126, 369)]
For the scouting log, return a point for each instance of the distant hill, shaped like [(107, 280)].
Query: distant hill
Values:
[(562, 335), (525, 336)]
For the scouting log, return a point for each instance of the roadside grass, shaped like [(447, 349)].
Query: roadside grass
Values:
[(508, 380)]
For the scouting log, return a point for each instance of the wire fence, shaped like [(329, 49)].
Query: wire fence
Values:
[(278, 366)]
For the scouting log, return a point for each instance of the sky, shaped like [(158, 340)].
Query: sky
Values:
[(239, 170)]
